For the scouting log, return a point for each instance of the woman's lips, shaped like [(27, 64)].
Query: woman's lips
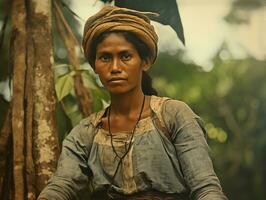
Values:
[(117, 80)]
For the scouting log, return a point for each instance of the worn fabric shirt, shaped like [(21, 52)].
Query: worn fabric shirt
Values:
[(154, 162)]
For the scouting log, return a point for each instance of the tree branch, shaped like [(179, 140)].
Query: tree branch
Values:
[(83, 94)]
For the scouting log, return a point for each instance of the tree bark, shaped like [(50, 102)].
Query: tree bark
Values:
[(19, 66), (44, 132), (5, 148), (30, 168)]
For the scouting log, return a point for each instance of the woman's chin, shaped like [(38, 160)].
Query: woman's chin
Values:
[(119, 90)]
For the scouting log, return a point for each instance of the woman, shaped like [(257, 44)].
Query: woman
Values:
[(141, 146)]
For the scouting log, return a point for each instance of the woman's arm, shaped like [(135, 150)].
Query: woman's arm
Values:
[(192, 151), (72, 171)]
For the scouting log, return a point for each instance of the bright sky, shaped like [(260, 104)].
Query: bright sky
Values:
[(205, 30)]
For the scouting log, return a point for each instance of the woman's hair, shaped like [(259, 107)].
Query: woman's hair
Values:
[(143, 51)]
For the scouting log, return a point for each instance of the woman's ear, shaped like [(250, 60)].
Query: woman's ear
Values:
[(146, 64)]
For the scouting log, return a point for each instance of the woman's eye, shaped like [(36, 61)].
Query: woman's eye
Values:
[(126, 56), (104, 58)]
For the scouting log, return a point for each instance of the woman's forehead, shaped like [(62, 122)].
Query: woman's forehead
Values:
[(115, 41)]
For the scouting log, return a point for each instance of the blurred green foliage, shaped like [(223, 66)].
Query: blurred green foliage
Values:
[(238, 13), (231, 99)]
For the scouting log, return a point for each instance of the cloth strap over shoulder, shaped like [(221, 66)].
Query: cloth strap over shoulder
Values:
[(157, 105)]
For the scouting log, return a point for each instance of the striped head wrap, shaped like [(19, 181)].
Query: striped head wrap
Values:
[(112, 18)]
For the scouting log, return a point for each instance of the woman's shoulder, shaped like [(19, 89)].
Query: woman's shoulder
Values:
[(86, 126), (93, 119), (158, 102), (172, 108), (84, 132)]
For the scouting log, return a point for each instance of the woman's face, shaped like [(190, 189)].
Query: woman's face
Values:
[(119, 65)]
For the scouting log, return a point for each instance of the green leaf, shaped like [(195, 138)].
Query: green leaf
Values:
[(71, 109), (88, 80), (97, 105), (63, 86), (65, 66), (61, 70), (101, 93), (63, 122)]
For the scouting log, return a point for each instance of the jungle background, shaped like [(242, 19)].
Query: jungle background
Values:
[(47, 87)]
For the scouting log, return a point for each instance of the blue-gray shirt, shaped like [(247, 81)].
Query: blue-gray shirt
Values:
[(153, 162)]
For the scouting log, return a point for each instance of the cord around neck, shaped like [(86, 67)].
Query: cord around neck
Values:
[(127, 149), (133, 131)]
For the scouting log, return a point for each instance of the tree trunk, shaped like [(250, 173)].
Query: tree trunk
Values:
[(30, 168), (5, 157), (44, 133), (19, 67)]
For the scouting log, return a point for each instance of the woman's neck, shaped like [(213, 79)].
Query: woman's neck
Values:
[(126, 104)]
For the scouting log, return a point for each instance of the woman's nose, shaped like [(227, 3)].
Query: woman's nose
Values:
[(115, 68)]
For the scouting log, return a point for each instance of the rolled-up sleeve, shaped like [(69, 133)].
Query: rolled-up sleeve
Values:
[(72, 171), (192, 151)]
